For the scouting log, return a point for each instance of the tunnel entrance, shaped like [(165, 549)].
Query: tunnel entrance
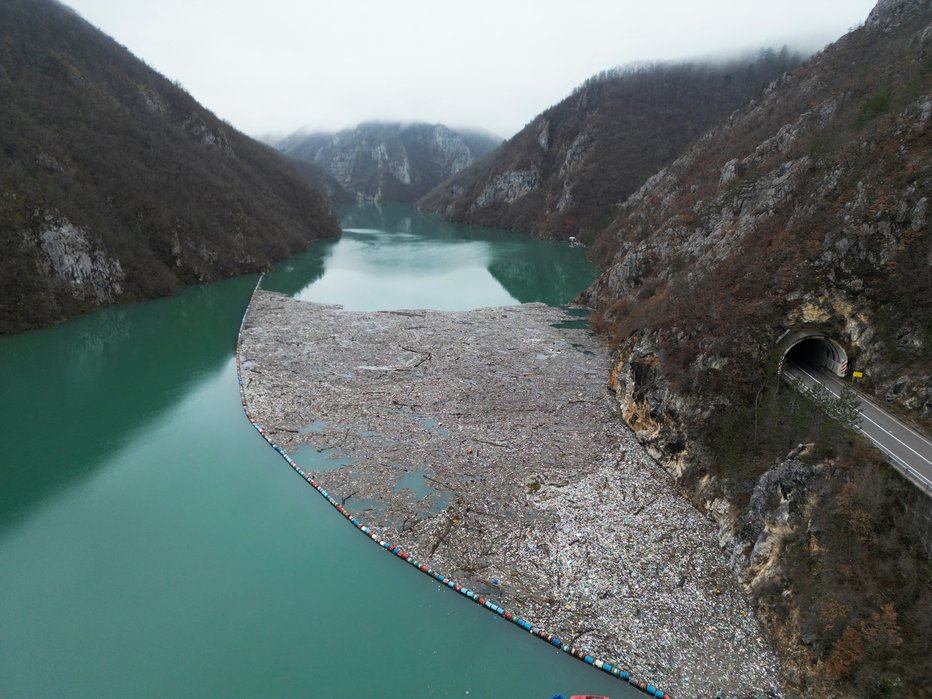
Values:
[(818, 351)]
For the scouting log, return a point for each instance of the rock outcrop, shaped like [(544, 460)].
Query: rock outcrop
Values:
[(80, 263)]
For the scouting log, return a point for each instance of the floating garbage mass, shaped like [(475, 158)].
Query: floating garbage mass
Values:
[(609, 668)]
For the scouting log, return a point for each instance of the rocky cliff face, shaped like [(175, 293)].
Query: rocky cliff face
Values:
[(80, 263), (389, 162), (115, 185), (564, 172), (806, 210), (810, 208)]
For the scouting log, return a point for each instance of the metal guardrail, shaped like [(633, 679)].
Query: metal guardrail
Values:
[(908, 471)]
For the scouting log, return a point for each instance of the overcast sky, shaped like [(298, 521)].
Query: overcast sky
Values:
[(274, 66)]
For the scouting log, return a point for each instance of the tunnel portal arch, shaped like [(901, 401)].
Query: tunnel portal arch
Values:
[(815, 349)]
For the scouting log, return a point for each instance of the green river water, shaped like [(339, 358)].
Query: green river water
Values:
[(153, 545)]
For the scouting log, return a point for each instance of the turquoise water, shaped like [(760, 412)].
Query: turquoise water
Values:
[(391, 257), (153, 545)]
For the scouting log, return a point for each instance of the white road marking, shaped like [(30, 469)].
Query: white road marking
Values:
[(921, 437), (862, 414)]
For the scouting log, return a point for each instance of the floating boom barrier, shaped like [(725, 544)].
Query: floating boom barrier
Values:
[(481, 600)]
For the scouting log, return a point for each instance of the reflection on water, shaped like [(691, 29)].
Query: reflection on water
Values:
[(433, 499), (391, 256), (120, 367), (295, 273)]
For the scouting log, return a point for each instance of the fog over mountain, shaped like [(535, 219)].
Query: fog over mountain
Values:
[(564, 173), (380, 161), (282, 65)]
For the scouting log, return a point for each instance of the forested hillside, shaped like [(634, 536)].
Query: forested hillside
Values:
[(806, 211), (116, 185), (563, 174)]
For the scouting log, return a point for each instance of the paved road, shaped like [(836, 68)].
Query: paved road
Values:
[(905, 448)]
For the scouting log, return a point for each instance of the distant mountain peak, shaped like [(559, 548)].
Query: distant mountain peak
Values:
[(390, 161)]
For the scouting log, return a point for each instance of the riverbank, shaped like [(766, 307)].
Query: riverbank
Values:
[(486, 444)]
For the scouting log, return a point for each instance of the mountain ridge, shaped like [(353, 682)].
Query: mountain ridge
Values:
[(388, 161), (116, 185), (563, 174)]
